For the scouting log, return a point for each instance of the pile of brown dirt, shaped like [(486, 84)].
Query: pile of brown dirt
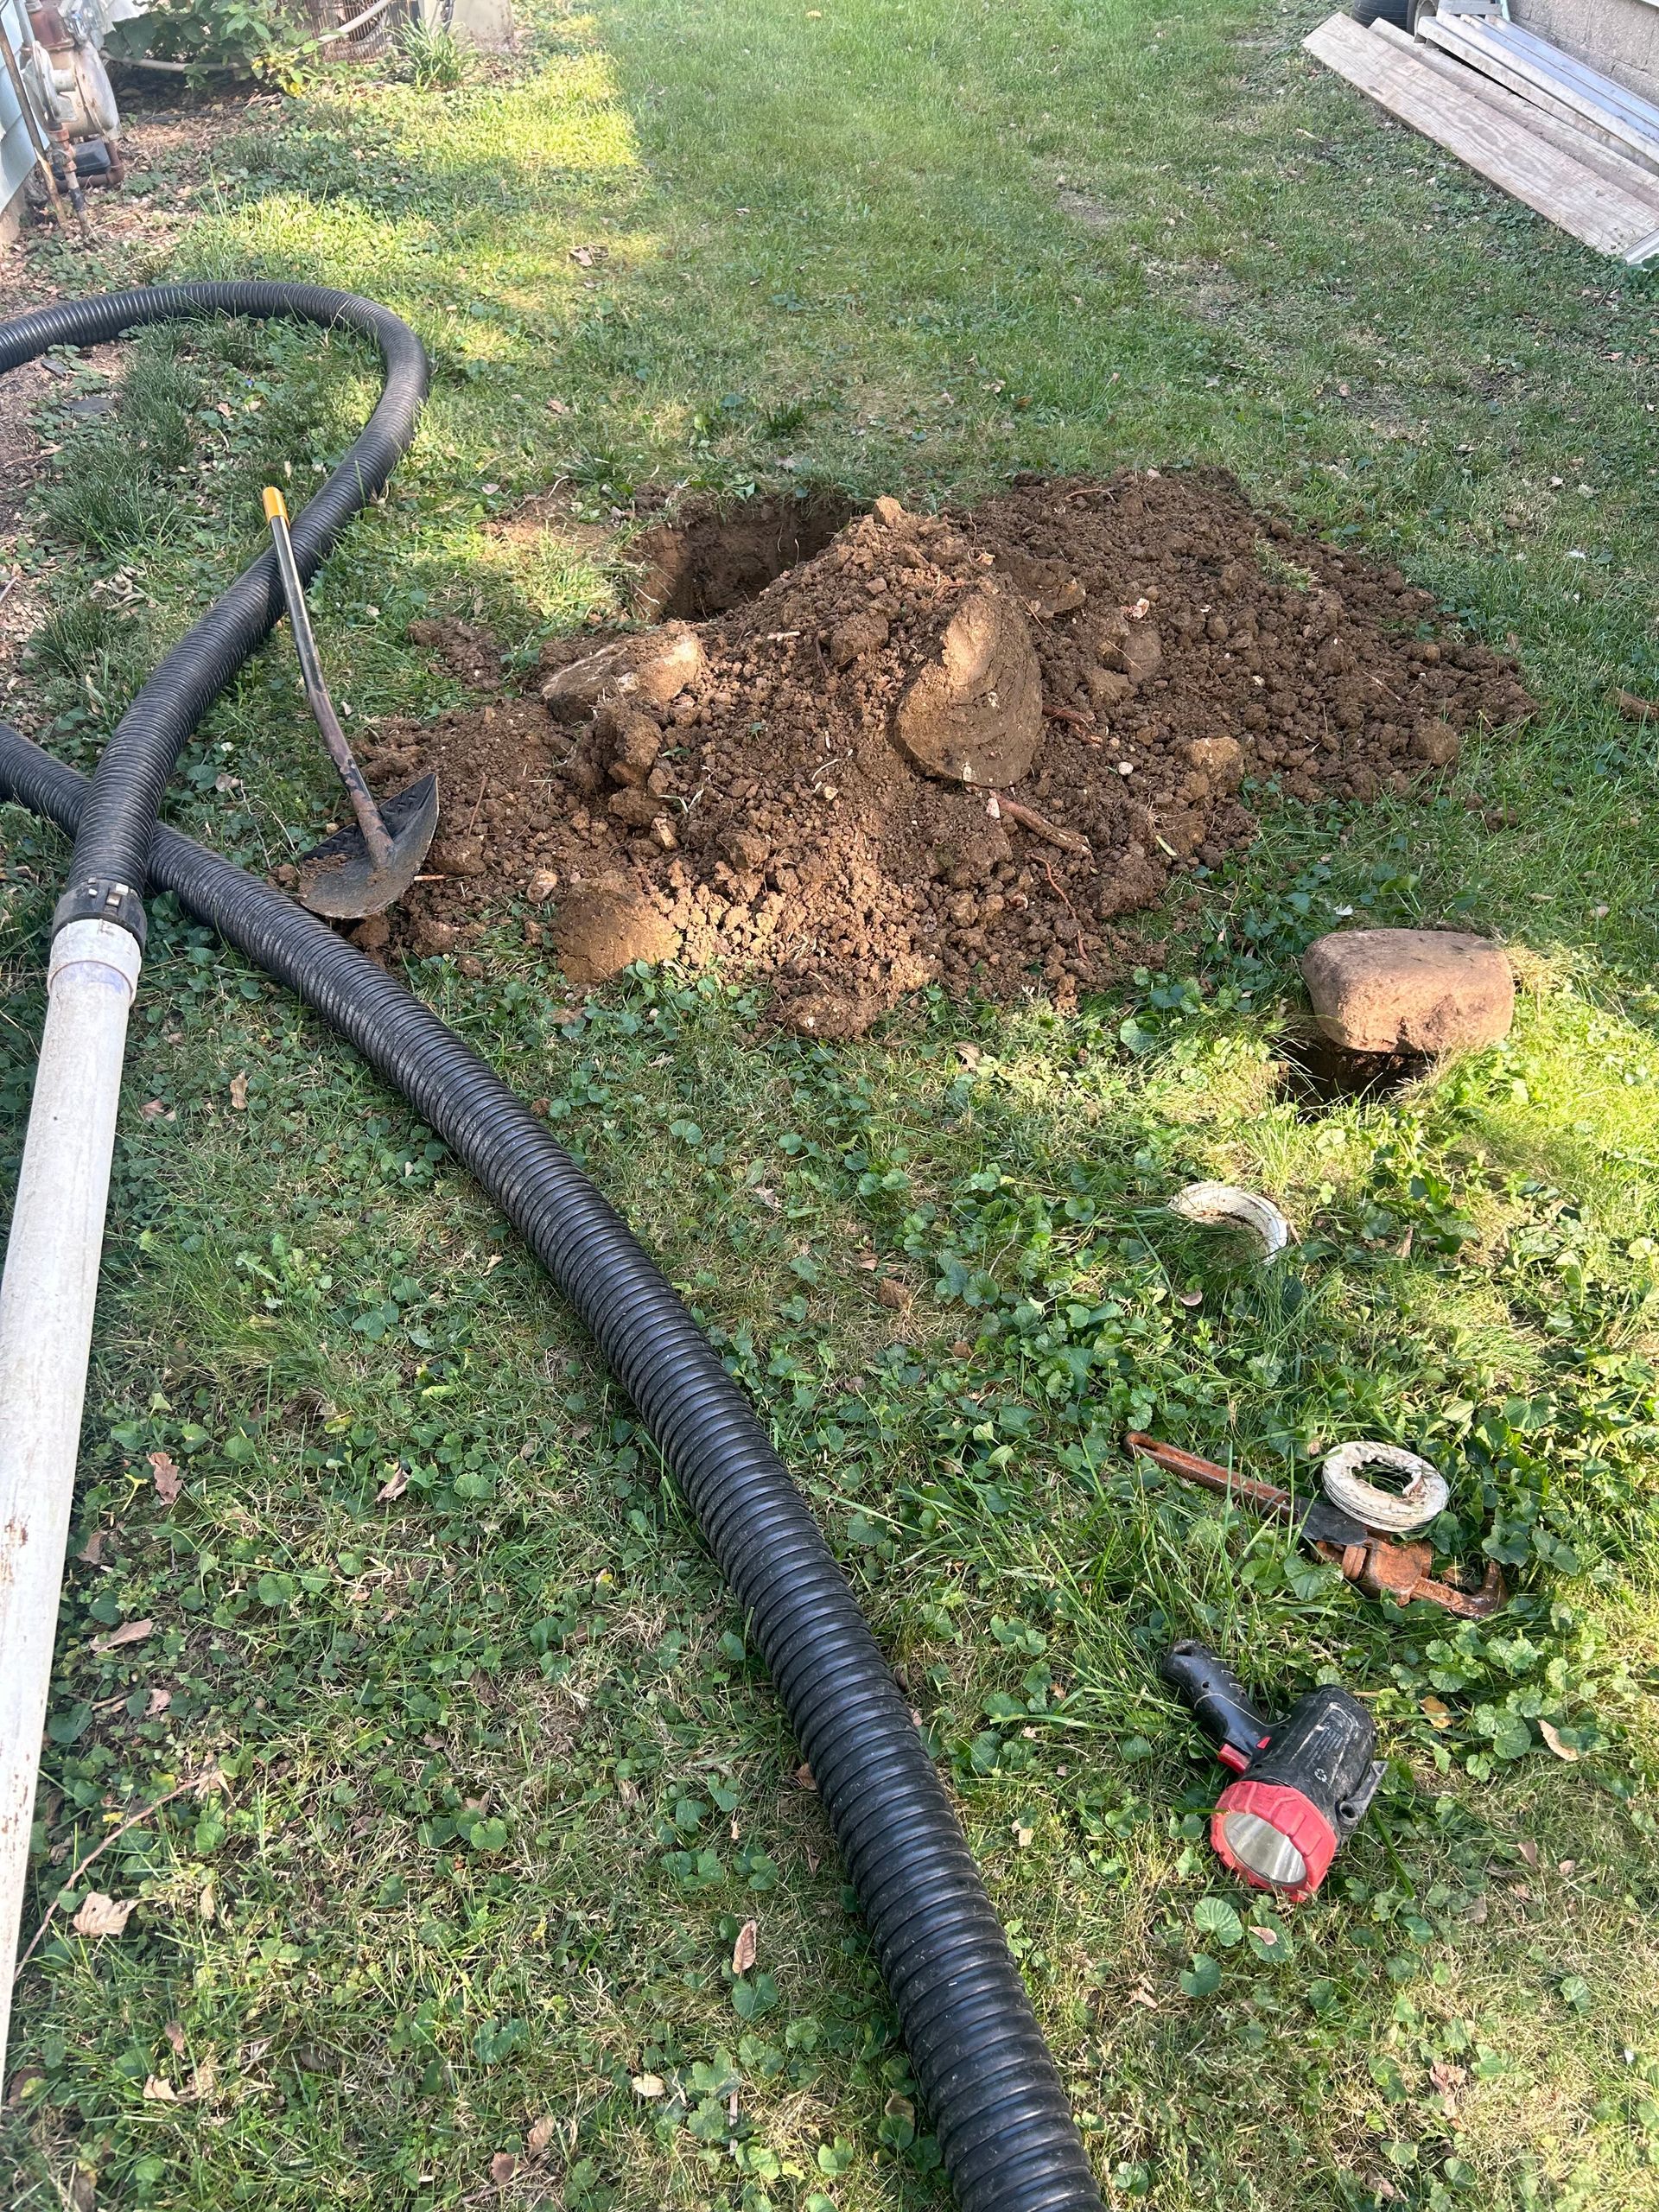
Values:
[(815, 787)]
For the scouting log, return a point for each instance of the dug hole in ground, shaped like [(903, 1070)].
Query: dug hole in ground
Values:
[(952, 749)]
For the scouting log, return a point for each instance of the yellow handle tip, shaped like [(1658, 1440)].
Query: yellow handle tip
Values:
[(275, 506)]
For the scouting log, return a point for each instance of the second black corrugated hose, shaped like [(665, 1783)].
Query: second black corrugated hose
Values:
[(986, 2080)]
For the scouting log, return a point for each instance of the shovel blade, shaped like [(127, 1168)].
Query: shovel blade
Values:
[(338, 878)]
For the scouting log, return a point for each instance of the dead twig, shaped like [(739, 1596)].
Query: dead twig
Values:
[(1071, 715), (1028, 818), (1066, 903), (132, 1820), (1635, 709)]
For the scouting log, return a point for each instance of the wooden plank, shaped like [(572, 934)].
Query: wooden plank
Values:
[(1595, 153), (1478, 44), (1563, 190), (1435, 34)]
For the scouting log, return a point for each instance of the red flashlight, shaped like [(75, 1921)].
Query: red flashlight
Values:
[(1304, 1783)]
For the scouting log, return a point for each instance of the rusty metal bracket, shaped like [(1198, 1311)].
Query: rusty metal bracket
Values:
[(1375, 1563)]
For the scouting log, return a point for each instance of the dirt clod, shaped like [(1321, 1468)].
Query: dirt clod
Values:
[(599, 930), (1140, 665), (974, 711), (649, 671)]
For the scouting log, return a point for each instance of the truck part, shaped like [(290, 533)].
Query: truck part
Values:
[(1422, 1500), (34, 129), (995, 2102), (1373, 1563), (1303, 1784), (1214, 1204), (362, 871)]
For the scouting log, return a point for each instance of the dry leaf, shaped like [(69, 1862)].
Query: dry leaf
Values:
[(102, 1916), (129, 1633), (969, 1055), (203, 2081), (1022, 1834), (83, 2190), (158, 1701), (91, 1550), (160, 2091), (1439, 1715), (582, 256), (394, 1486), (1561, 1750), (204, 1905), (743, 1949), (803, 1776), (1529, 1850), (649, 2085), (503, 2166), (239, 1091), (540, 2136), (174, 2033), (168, 1481)]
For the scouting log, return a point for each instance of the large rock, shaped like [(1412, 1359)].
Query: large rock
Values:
[(1410, 990), (974, 713), (644, 671), (603, 928)]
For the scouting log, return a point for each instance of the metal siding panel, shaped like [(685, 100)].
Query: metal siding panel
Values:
[(17, 154)]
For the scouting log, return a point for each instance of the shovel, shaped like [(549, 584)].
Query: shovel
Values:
[(362, 871)]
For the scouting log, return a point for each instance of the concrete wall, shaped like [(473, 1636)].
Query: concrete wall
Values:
[(1619, 37)]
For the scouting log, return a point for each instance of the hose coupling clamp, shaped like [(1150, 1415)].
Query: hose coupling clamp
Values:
[(100, 899)]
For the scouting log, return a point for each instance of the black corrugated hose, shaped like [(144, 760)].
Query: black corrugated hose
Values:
[(106, 876), (989, 2084)]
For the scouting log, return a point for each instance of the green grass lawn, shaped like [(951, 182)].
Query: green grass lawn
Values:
[(500, 1781)]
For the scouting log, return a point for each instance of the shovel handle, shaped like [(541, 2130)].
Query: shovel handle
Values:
[(375, 836)]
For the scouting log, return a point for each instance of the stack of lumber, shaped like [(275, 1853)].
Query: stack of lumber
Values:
[(1554, 133)]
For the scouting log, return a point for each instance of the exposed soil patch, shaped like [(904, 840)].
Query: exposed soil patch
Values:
[(1318, 1073), (954, 748), (712, 560)]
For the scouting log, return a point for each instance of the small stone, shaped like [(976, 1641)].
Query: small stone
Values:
[(637, 809), (1219, 759), (1437, 743), (747, 850), (887, 512), (1047, 587), (457, 856), (541, 886), (1143, 652), (974, 713), (648, 671), (1109, 688), (1425, 991), (635, 741), (602, 928), (857, 637), (429, 938)]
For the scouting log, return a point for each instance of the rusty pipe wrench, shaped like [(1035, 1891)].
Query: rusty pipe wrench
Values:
[(1375, 1564)]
